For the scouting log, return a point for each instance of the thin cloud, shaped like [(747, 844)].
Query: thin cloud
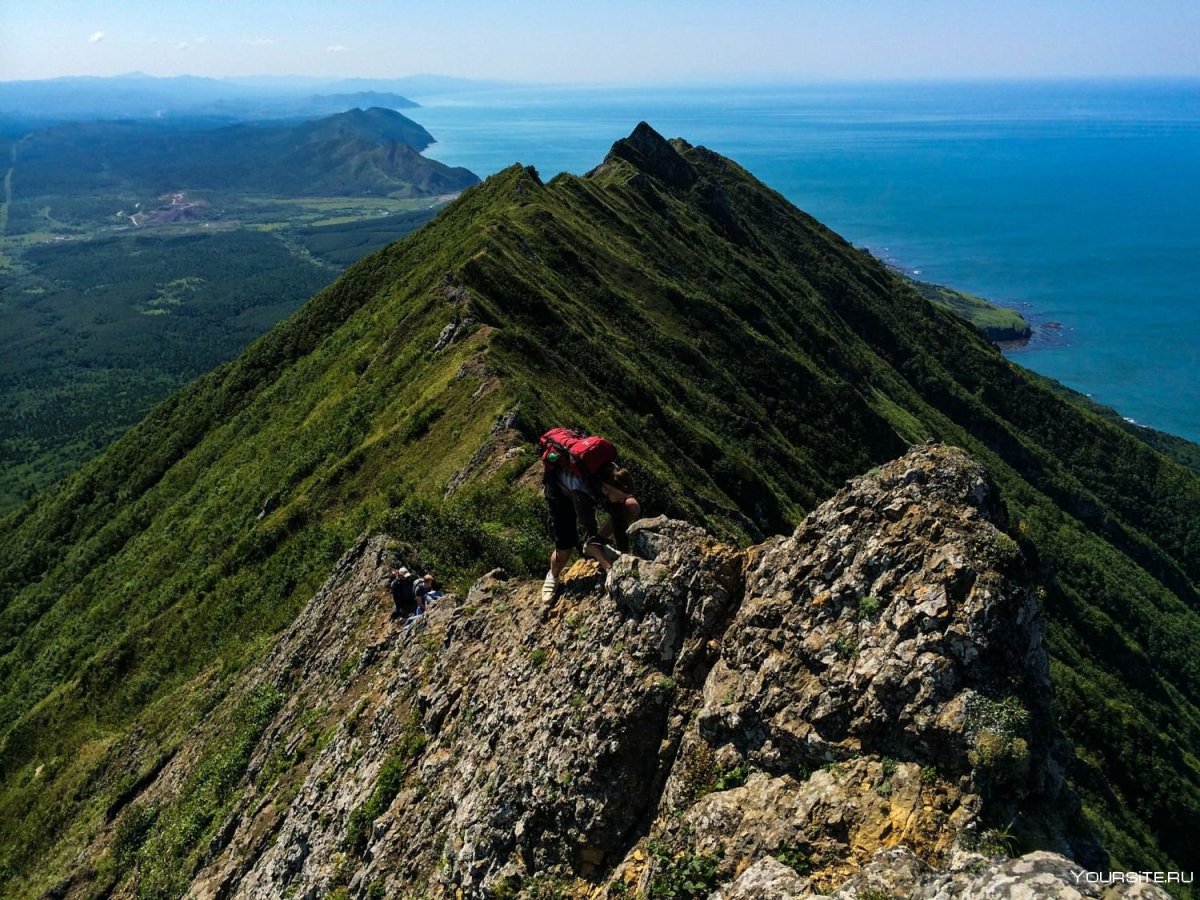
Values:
[(336, 48), (96, 37), (182, 45), (199, 40), (259, 42)]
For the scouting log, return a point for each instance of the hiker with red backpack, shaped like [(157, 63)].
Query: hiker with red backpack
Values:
[(581, 475)]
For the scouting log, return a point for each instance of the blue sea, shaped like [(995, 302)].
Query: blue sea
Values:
[(1077, 202)]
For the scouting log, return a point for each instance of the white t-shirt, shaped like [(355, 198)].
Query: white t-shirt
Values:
[(572, 482)]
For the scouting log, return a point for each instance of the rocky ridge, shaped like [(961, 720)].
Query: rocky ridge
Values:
[(858, 709)]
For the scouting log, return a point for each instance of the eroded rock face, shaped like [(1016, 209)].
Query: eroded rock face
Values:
[(874, 625), (875, 679), (495, 739), (1034, 876), (883, 682), (899, 873)]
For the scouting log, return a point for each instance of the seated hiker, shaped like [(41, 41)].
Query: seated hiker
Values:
[(404, 599), (580, 476), (428, 590)]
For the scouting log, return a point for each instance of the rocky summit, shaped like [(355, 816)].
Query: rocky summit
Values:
[(859, 710)]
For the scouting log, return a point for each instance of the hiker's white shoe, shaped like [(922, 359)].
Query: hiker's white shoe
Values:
[(549, 587)]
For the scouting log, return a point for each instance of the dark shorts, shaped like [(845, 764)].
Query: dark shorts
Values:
[(561, 521)]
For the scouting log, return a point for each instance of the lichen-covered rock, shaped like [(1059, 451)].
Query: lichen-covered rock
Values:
[(879, 623), (495, 739), (766, 878), (897, 873), (886, 675), (1034, 876)]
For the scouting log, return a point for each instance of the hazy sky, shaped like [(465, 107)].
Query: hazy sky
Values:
[(622, 41)]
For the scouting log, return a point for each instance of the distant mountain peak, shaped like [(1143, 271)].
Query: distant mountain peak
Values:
[(650, 152), (376, 124)]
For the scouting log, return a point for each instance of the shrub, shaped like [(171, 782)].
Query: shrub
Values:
[(846, 647), (867, 607), (681, 875)]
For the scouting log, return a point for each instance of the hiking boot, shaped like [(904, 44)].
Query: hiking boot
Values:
[(611, 553), (550, 587)]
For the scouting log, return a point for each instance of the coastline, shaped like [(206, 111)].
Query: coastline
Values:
[(1009, 327)]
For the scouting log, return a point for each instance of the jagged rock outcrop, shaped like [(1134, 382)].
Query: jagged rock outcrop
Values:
[(1034, 876), (843, 708), (494, 739), (884, 680)]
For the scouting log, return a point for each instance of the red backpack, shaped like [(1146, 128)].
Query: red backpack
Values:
[(584, 455)]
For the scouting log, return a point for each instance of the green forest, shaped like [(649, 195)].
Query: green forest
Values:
[(114, 295)]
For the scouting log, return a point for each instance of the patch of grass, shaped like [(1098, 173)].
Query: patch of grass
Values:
[(846, 647), (799, 861), (1005, 550), (999, 732), (731, 778), (664, 685), (868, 607), (164, 844), (132, 831), (392, 775), (993, 842), (680, 874)]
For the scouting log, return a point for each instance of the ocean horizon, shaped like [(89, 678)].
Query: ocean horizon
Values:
[(1077, 202)]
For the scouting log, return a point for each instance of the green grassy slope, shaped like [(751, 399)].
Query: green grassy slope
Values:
[(746, 360)]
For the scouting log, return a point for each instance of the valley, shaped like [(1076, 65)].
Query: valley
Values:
[(122, 281)]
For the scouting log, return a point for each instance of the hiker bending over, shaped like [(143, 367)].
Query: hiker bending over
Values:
[(581, 476)]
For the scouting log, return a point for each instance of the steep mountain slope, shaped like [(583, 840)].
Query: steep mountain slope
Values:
[(747, 361), (374, 151), (795, 703)]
